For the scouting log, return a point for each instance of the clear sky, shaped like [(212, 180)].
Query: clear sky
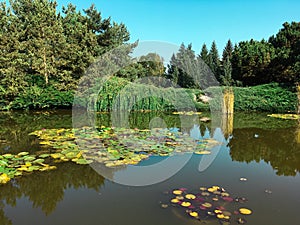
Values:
[(197, 21)]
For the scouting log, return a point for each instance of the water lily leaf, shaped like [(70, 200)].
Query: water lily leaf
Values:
[(185, 204), (32, 168), (220, 216), (203, 152), (29, 158), (175, 200), (245, 211), (4, 178), (39, 161), (3, 163), (8, 156), (190, 196), (56, 155), (193, 214), (82, 161), (177, 192), (207, 205), (23, 153), (44, 155)]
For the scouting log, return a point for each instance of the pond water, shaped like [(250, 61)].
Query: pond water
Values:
[(265, 151)]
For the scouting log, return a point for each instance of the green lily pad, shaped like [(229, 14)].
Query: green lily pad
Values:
[(23, 153), (39, 161), (44, 155), (29, 158)]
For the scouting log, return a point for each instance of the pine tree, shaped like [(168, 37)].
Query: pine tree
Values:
[(12, 74), (43, 38), (214, 60), (204, 53), (227, 52)]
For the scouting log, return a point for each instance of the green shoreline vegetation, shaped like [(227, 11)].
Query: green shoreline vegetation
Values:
[(45, 51)]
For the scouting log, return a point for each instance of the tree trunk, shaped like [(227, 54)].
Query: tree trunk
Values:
[(298, 94), (44, 59), (45, 66)]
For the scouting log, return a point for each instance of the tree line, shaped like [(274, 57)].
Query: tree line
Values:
[(45, 51), (249, 63), (42, 46)]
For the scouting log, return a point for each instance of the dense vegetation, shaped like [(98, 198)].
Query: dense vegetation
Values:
[(45, 51)]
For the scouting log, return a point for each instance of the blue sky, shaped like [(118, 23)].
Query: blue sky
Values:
[(197, 21)]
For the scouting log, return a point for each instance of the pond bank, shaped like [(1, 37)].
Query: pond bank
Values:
[(262, 98)]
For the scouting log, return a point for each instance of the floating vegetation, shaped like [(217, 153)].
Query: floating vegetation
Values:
[(286, 116), (14, 165), (204, 207), (110, 146), (118, 146), (190, 113)]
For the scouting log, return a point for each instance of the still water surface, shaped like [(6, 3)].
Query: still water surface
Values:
[(264, 150)]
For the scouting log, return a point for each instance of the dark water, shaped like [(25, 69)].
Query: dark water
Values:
[(263, 150)]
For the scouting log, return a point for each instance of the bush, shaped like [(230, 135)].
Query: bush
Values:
[(268, 97), (35, 97)]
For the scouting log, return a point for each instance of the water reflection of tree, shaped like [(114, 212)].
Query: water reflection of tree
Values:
[(15, 127), (277, 147), (46, 189)]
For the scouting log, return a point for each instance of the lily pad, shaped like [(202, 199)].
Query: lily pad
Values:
[(185, 204), (245, 211), (190, 196), (177, 192), (194, 214)]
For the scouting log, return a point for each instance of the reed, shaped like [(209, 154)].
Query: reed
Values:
[(227, 124), (228, 101)]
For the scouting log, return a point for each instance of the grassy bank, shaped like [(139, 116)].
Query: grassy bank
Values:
[(119, 93)]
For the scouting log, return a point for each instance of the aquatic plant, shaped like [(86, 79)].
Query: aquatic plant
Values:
[(208, 204), (285, 116)]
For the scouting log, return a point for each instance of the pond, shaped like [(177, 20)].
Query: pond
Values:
[(259, 163)]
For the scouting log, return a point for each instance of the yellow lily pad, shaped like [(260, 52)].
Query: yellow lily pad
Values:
[(177, 192), (207, 205), (185, 204), (245, 211), (190, 196), (193, 214), (4, 178), (204, 152), (179, 197), (174, 200)]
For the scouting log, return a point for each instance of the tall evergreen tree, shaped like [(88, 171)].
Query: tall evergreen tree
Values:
[(12, 74), (214, 60), (227, 52), (204, 53), (285, 67), (183, 66), (43, 38)]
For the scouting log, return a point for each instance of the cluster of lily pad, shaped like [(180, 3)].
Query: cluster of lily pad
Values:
[(110, 146), (119, 146), (286, 116), (14, 165), (212, 203)]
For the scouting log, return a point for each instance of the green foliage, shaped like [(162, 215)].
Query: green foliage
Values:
[(269, 97), (204, 53), (214, 61), (251, 60), (119, 94), (37, 41), (286, 66), (35, 97)]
